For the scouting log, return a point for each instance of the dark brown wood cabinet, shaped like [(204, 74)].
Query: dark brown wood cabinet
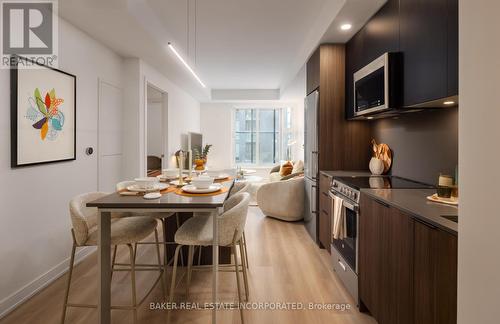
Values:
[(325, 218), (312, 72), (407, 268), (435, 275), (385, 262), (342, 145)]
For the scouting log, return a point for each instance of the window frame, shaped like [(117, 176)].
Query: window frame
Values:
[(282, 131)]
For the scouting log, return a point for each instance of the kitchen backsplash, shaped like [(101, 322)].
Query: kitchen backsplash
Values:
[(424, 144)]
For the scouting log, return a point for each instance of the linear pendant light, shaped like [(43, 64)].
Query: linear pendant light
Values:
[(186, 65)]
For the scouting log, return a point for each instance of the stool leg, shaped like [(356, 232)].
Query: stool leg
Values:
[(68, 284), (189, 269), (199, 254), (237, 271), (244, 267), (132, 274), (179, 225), (160, 267), (245, 246), (172, 284), (113, 261)]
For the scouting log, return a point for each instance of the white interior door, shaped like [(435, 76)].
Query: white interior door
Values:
[(110, 152)]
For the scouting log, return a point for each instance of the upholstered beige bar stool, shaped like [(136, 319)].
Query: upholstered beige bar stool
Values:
[(162, 217), (236, 188), (198, 231), (124, 231)]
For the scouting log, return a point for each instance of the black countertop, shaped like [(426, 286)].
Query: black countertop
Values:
[(411, 201), (414, 202)]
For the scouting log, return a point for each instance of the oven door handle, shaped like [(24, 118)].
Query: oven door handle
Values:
[(345, 203)]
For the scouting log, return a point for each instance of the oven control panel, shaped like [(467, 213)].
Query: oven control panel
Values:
[(345, 190)]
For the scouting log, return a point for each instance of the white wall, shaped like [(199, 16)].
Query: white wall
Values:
[(155, 119), (35, 239), (216, 127), (183, 115), (295, 92), (479, 161)]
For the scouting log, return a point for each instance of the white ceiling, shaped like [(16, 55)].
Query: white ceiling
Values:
[(231, 44)]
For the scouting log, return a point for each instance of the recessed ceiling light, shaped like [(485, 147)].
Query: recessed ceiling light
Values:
[(186, 65), (449, 102), (346, 26)]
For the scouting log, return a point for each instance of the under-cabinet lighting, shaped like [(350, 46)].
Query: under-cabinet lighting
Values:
[(186, 65), (449, 103), (369, 117), (346, 26)]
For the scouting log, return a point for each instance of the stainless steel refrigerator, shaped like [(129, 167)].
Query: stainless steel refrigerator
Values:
[(311, 171)]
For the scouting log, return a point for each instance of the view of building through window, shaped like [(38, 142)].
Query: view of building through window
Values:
[(261, 135)]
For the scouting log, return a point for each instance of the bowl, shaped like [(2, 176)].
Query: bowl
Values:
[(170, 173), (146, 182), (202, 182)]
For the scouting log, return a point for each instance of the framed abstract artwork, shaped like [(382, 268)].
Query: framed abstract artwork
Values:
[(43, 114)]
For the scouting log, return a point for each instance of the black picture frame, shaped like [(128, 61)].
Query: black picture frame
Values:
[(14, 78)]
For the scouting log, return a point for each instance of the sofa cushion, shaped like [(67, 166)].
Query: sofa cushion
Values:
[(286, 168), (275, 176), (298, 167)]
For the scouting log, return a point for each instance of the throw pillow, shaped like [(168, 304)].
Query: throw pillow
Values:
[(286, 168), (298, 167)]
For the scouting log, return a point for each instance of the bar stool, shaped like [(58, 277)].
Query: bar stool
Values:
[(236, 188), (198, 231), (162, 217), (124, 231)]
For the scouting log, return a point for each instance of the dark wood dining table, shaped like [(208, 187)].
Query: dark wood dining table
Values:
[(169, 202)]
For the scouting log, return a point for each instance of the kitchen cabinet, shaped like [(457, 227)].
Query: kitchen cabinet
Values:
[(325, 219), (426, 33), (423, 39), (452, 18), (385, 262), (435, 275), (407, 267), (342, 145), (312, 72)]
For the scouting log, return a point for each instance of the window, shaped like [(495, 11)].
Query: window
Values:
[(258, 135)]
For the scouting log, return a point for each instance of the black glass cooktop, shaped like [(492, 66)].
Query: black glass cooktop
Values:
[(382, 182)]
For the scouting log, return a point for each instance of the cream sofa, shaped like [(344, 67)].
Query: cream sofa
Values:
[(282, 199)]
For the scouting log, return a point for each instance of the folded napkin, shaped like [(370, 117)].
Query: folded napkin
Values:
[(339, 230)]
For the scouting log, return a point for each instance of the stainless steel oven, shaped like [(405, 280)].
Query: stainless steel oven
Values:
[(345, 251)]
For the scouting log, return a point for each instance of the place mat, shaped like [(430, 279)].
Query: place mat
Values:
[(134, 193), (180, 192), (224, 180)]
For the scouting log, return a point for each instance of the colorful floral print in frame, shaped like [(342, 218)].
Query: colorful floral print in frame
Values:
[(43, 114)]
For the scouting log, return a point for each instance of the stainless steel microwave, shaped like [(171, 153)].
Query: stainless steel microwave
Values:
[(377, 86)]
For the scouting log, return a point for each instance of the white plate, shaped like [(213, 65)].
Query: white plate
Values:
[(152, 195), (449, 201), (193, 189), (157, 187), (221, 176)]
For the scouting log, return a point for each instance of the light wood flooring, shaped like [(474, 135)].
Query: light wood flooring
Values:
[(285, 266)]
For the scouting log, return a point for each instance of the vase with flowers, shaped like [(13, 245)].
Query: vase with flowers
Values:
[(200, 157)]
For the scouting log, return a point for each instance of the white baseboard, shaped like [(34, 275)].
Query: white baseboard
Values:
[(9, 303)]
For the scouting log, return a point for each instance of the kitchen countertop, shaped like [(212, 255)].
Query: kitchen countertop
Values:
[(414, 202), (346, 173)]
